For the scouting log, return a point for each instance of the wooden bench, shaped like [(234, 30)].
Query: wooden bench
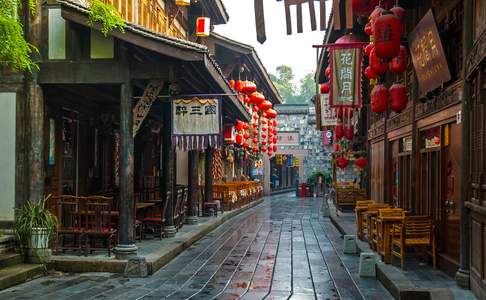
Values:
[(347, 197), (416, 232)]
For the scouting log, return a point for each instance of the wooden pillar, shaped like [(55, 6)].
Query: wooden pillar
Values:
[(208, 176), (463, 274), (126, 247), (168, 172), (193, 196)]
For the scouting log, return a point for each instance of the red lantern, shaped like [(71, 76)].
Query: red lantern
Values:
[(246, 99), (399, 12), (369, 74), (349, 132), (342, 162), (398, 97), (246, 135), (248, 87), (264, 136), (368, 49), (336, 147), (375, 14), (368, 29), (363, 7), (379, 97), (399, 64), (264, 142), (239, 85), (264, 128), (270, 152), (255, 116), (377, 64), (328, 72), (270, 135), (361, 162), (255, 125), (274, 148), (246, 126), (255, 132), (239, 125), (265, 105), (255, 141), (339, 131), (229, 134), (387, 33), (275, 123), (271, 114), (257, 98), (255, 149), (239, 139), (255, 108), (232, 84), (275, 131), (274, 139), (264, 149), (246, 145), (325, 87)]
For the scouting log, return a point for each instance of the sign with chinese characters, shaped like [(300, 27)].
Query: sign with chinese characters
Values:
[(328, 116), (428, 55), (196, 122), (288, 138), (345, 77)]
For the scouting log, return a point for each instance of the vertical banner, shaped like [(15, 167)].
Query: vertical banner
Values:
[(196, 122), (328, 116), (346, 77)]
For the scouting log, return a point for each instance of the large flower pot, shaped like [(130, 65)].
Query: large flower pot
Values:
[(38, 251)]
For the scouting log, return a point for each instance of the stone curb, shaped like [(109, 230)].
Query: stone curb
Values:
[(395, 282), (155, 260)]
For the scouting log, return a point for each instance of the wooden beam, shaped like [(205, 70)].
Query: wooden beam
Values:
[(312, 12), (260, 21), (82, 72)]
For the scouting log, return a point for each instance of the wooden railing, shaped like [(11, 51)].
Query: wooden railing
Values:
[(150, 14)]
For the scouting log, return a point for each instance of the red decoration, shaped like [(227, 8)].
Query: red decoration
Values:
[(339, 131), (275, 131), (232, 84), (342, 162), (368, 49), (275, 148), (246, 145), (255, 108), (369, 74), (361, 162), (239, 139), (275, 123), (246, 126), (399, 64), (270, 152), (398, 97), (271, 114), (264, 149), (257, 98), (265, 105), (255, 141), (203, 26), (239, 125), (229, 134), (377, 64), (341, 113), (255, 132), (368, 29), (328, 72), (375, 14), (364, 7), (274, 139), (246, 135), (246, 99), (248, 87), (399, 12), (255, 125), (255, 149), (264, 142), (387, 33), (270, 135), (264, 128), (379, 97), (349, 132), (239, 85), (325, 87), (255, 116)]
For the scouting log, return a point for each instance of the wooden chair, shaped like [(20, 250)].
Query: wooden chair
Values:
[(68, 235), (360, 207), (155, 217), (97, 225), (367, 223), (416, 232), (383, 215)]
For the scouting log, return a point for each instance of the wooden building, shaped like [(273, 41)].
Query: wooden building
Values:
[(95, 118)]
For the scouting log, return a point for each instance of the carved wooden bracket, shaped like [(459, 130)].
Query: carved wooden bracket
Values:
[(142, 108)]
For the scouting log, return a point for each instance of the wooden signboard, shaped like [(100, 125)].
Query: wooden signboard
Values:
[(428, 55), (345, 77)]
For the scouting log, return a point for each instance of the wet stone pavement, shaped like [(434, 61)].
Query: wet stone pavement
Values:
[(281, 249)]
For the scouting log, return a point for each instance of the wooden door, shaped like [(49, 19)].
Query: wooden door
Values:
[(378, 171), (429, 193), (405, 181)]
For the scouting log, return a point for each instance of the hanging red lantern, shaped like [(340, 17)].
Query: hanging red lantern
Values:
[(328, 72), (275, 132), (246, 126), (399, 12), (239, 139), (264, 142), (377, 64), (264, 149), (257, 98), (369, 74), (229, 134), (375, 14), (264, 121), (246, 135), (368, 29), (271, 114), (379, 97), (275, 148), (270, 135), (255, 132), (339, 131), (239, 125), (342, 162), (361, 162), (363, 7), (232, 84), (246, 99), (368, 49), (325, 87), (255, 150), (386, 34), (264, 136), (255, 140), (255, 108), (275, 123), (246, 145), (264, 128), (255, 125), (265, 105), (349, 132), (248, 87), (255, 116), (274, 140), (399, 64), (270, 151), (239, 85), (398, 97), (203, 26)]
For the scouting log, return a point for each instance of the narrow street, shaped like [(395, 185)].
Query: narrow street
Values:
[(281, 249)]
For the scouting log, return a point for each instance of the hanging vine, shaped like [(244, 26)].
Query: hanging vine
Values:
[(106, 15), (15, 51)]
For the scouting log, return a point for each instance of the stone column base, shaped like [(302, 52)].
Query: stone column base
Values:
[(125, 252), (170, 231), (192, 220), (463, 278)]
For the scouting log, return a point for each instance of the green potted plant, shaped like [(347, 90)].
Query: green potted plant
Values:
[(34, 227)]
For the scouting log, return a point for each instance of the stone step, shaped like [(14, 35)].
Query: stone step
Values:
[(7, 243), (16, 274), (11, 259)]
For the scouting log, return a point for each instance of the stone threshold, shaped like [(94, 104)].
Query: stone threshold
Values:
[(392, 278), (169, 248)]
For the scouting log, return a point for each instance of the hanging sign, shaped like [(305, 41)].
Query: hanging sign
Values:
[(196, 122), (328, 115), (279, 159), (428, 55), (345, 76)]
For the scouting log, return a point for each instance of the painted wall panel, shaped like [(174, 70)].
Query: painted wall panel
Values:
[(57, 34), (7, 159), (182, 166)]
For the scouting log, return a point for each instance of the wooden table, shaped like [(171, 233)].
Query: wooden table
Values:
[(386, 224)]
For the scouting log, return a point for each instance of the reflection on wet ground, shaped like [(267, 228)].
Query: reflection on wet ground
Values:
[(281, 249)]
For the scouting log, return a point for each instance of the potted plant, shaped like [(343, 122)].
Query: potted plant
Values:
[(34, 227)]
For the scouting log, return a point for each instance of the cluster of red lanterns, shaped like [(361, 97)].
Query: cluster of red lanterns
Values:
[(385, 28), (250, 135)]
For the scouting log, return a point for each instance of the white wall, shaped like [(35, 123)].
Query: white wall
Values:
[(7, 156), (182, 166)]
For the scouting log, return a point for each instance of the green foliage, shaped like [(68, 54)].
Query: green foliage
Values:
[(33, 214), (15, 51), (314, 177), (288, 90), (106, 15)]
